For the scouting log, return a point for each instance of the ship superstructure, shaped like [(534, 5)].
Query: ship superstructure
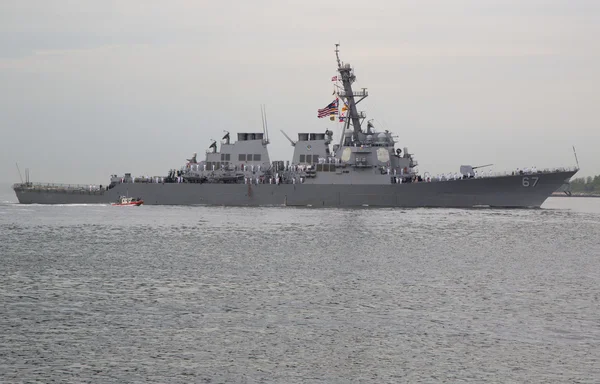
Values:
[(363, 156)]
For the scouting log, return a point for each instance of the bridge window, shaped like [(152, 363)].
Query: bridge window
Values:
[(228, 157), (248, 157), (257, 157), (242, 158), (302, 158)]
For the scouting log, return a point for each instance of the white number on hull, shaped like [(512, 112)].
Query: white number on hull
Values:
[(530, 181)]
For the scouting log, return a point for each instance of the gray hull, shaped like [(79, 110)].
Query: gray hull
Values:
[(520, 191)]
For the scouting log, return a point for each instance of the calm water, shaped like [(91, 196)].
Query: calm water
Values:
[(192, 294)]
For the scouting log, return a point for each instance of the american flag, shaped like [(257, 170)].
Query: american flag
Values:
[(331, 109), (334, 78)]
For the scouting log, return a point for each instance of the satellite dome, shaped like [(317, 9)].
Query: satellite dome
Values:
[(347, 65)]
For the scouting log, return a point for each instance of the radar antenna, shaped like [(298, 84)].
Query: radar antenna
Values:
[(213, 146), (193, 159), (226, 137)]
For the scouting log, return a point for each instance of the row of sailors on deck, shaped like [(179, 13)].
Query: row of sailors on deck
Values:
[(253, 168), (526, 171), (271, 180), (490, 173), (477, 174), (152, 180), (245, 167), (289, 167), (145, 179), (442, 177), (460, 176)]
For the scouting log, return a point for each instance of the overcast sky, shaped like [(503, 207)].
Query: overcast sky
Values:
[(90, 88)]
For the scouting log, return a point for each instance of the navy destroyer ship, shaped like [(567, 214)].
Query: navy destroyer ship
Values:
[(363, 169)]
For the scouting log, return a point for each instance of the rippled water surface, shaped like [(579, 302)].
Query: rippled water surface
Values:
[(194, 294)]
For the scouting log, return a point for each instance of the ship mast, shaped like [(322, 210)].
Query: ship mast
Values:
[(348, 77)]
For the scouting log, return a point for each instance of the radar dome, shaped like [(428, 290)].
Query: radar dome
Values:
[(347, 65)]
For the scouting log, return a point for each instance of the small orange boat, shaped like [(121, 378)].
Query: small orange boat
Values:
[(129, 201)]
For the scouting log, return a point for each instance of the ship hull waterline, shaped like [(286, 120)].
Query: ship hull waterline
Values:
[(513, 191)]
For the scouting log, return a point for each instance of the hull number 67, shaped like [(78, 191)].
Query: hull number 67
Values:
[(530, 181)]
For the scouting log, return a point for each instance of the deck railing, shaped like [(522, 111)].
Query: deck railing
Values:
[(487, 174), (95, 189)]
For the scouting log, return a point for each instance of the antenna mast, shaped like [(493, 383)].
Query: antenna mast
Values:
[(263, 115), (21, 177), (266, 123), (287, 137), (348, 77), (577, 161)]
